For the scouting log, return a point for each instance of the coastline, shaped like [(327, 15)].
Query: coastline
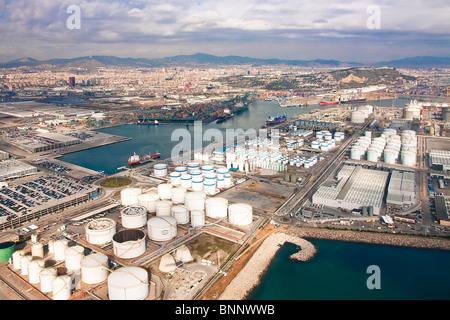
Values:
[(255, 267), (249, 276)]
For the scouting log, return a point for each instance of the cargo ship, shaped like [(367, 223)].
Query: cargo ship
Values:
[(333, 100), (276, 120), (135, 159), (353, 99), (361, 100), (239, 107), (225, 117)]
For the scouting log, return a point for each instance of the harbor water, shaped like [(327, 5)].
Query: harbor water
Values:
[(338, 271)]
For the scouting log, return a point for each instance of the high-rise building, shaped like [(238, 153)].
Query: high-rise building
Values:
[(71, 82)]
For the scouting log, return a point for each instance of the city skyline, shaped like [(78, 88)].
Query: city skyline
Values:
[(363, 31)]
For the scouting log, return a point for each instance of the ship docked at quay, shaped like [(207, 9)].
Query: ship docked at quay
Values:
[(276, 120), (135, 159), (337, 100)]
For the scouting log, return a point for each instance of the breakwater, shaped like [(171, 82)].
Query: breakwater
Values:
[(371, 237), (250, 275)]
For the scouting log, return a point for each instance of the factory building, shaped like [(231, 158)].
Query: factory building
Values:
[(440, 160), (4, 155), (12, 169), (356, 188), (46, 141), (401, 189)]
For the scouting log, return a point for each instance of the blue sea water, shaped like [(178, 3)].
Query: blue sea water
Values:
[(338, 271)]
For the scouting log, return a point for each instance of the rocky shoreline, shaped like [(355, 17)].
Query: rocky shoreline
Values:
[(371, 237), (251, 274)]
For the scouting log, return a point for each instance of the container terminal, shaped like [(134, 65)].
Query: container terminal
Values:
[(172, 229)]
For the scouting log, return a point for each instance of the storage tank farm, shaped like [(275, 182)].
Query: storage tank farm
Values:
[(390, 147)]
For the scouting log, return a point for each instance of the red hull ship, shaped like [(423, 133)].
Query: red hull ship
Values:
[(136, 159)]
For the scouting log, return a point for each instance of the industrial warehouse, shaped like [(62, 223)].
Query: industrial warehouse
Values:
[(355, 188)]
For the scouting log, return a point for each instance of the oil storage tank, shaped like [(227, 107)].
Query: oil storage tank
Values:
[(163, 208), (216, 208), (165, 191), (61, 288), (6, 250), (94, 268), (129, 244), (197, 218), (34, 269), (46, 278), (195, 200), (130, 196), (59, 249), (128, 283), (148, 200), (240, 214), (134, 217), (16, 257), (181, 214), (161, 228), (74, 255), (100, 231)]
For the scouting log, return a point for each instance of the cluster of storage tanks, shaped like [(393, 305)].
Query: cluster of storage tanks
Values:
[(388, 147), (90, 269), (361, 114), (172, 206), (193, 177), (325, 140)]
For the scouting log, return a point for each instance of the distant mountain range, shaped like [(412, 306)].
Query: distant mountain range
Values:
[(200, 59)]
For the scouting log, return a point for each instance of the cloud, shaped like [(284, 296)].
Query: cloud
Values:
[(226, 24)]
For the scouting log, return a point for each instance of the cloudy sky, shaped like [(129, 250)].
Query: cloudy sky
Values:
[(347, 30)]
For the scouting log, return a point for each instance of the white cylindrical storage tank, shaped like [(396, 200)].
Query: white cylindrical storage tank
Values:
[(216, 208), (128, 244), (195, 173), (24, 263), (195, 201), (130, 196), (46, 279), (94, 268), (59, 248), (37, 250), (181, 214), (227, 180), (372, 155), (209, 187), (17, 257), (358, 116), (165, 191), (61, 288), (128, 283), (134, 217), (197, 218), (220, 183), (408, 158), (193, 166), (207, 169), (355, 153), (240, 214), (315, 145), (197, 183), (148, 200), (160, 170), (186, 181), (74, 255), (178, 195), (324, 146), (181, 170), (100, 231), (390, 157), (162, 228), (34, 270), (175, 178), (163, 208)]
